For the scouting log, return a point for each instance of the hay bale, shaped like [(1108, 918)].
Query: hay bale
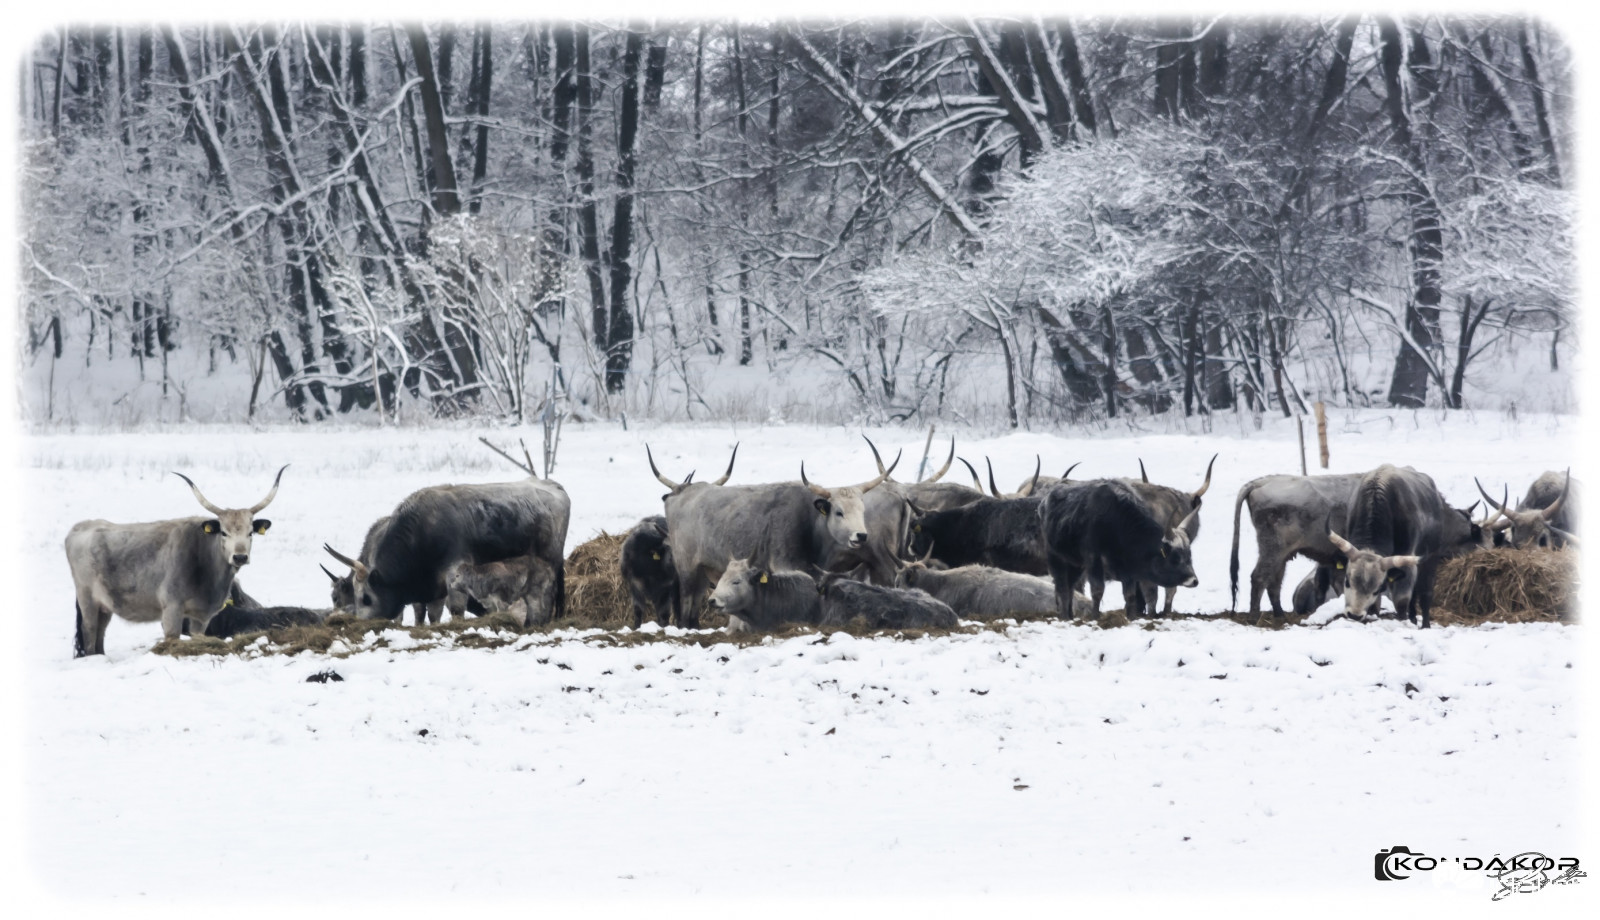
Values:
[(596, 596), (1507, 585)]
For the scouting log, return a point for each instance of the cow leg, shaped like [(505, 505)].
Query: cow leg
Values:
[(1166, 607), (1149, 591), (1267, 576), (171, 622), (672, 609), (89, 637), (691, 591), (1133, 599)]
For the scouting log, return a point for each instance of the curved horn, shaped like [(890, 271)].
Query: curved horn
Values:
[(1497, 506), (270, 495), (1207, 484), (1070, 469), (976, 482), (1345, 546), (876, 459), (203, 503), (993, 490), (871, 484), (1183, 525), (1034, 482), (947, 461), (357, 567), (821, 492), (689, 478), (1555, 508), (724, 480), (674, 486), (326, 572), (1565, 535), (1141, 470)]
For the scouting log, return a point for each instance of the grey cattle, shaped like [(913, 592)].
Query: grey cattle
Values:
[(164, 570), (887, 516), (756, 597), (234, 620), (1397, 529), (802, 522), (980, 592), (878, 607), (1290, 515), (1547, 516), (522, 586), (343, 591), (436, 527), (648, 573)]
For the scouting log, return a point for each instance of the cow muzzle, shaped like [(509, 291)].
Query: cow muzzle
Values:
[(859, 539), (241, 558), (1191, 582)]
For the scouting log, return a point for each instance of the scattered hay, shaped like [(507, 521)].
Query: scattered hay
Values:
[(1507, 585)]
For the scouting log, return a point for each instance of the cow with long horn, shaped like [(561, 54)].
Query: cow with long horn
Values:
[(1174, 507), (1545, 517), (804, 522), (343, 587), (935, 494), (169, 571)]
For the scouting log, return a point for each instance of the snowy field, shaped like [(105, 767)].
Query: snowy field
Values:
[(1047, 761)]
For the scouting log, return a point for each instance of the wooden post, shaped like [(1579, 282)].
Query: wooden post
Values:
[(1322, 432), (1300, 426)]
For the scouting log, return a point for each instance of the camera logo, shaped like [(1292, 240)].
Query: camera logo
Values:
[(1398, 862)]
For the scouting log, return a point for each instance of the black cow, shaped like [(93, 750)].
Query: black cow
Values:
[(1397, 530), (234, 620), (343, 589), (1105, 529), (998, 532), (648, 572), (436, 527)]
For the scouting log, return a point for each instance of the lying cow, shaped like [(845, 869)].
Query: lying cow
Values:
[(877, 607), (648, 572), (523, 586), (163, 570), (979, 592), (235, 620), (755, 597)]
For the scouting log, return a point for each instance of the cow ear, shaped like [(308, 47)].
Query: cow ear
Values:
[(211, 527), (260, 525), (823, 506)]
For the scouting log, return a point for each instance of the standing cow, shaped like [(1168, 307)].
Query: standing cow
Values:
[(343, 590), (1174, 506), (803, 522), (164, 570), (1290, 515), (648, 572), (437, 527), (1397, 530), (1107, 529)]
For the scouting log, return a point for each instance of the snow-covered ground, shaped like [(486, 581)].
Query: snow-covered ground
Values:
[(1188, 757)]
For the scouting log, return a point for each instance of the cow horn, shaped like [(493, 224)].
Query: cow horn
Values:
[(1183, 525), (724, 480), (674, 486), (1207, 484), (1555, 507), (871, 484), (1497, 506), (875, 458), (270, 495), (1345, 546), (1070, 469), (821, 492), (689, 478), (1142, 474), (947, 461), (1568, 537), (203, 503), (1034, 482), (993, 490), (976, 482), (359, 568)]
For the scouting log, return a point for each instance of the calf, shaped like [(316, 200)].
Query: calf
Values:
[(523, 586), (979, 592), (648, 572), (757, 598), (878, 607)]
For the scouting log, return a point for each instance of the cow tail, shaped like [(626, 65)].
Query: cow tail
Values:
[(79, 648), (1233, 560)]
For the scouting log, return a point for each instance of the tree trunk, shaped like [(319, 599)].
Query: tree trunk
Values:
[(480, 152), (619, 339), (445, 199), (588, 217)]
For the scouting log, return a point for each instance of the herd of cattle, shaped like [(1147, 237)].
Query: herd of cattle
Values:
[(884, 554)]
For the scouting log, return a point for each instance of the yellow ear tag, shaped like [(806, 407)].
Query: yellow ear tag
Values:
[(1338, 565), (209, 527), (763, 577), (655, 555), (228, 602)]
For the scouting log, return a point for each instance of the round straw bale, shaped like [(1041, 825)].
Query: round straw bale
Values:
[(596, 596), (1506, 585)]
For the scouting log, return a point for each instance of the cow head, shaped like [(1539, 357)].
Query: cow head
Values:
[(1527, 528), (1173, 562), (739, 586), (362, 594), (1368, 576), (233, 528), (842, 507)]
